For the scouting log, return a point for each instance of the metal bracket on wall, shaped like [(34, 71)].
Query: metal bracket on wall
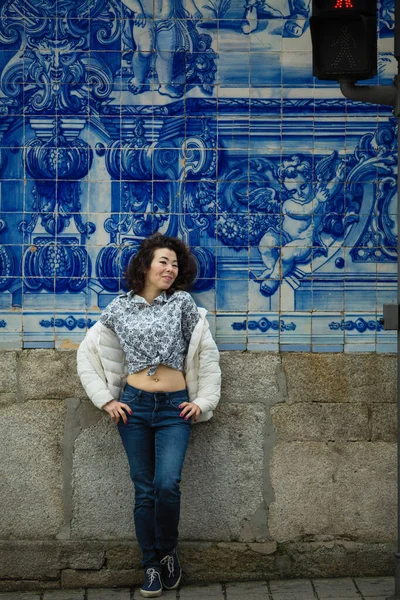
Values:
[(390, 318)]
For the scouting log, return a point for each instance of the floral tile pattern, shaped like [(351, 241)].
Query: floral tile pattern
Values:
[(202, 121)]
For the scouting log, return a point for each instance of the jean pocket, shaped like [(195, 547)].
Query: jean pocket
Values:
[(129, 396), (177, 400)]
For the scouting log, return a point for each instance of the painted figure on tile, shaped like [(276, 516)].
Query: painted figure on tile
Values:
[(163, 28), (304, 209), (296, 10)]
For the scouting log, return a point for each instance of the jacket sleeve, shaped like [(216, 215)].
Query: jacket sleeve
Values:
[(209, 378), (91, 372)]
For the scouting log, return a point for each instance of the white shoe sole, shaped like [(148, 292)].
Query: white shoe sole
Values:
[(150, 594)]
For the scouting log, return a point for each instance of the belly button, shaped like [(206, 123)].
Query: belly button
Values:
[(156, 380)]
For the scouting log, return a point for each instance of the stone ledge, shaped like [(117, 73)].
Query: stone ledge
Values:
[(208, 563), (44, 560)]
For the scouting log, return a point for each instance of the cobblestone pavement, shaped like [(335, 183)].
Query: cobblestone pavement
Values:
[(357, 588)]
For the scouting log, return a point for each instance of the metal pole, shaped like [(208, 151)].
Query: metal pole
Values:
[(389, 95), (397, 114)]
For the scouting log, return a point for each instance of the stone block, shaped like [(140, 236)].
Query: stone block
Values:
[(29, 560), (375, 586), (124, 557), (102, 500), (205, 592), (19, 596), (49, 374), (341, 489), (252, 590), (338, 559), (384, 422), (321, 422), (99, 594), (82, 555), (364, 378), (249, 377), (20, 585), (291, 586), (339, 588), (31, 469), (71, 578), (8, 377), (64, 595), (204, 563), (224, 464)]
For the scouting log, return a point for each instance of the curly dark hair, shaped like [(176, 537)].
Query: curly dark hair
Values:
[(135, 274)]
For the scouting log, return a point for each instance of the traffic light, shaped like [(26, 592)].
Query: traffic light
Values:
[(343, 34)]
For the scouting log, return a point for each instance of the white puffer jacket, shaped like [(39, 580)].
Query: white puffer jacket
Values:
[(103, 371)]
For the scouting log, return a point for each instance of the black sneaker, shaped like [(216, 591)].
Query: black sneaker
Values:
[(152, 587), (171, 571)]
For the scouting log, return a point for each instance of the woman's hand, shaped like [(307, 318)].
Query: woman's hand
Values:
[(189, 409), (116, 411)]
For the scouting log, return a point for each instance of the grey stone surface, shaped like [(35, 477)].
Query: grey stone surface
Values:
[(64, 595), (375, 586), (8, 377), (19, 596), (340, 377), (30, 559), (291, 586), (27, 585), (166, 595), (321, 421), (294, 596), (250, 377), (124, 556), (333, 479), (337, 558), (340, 588), (30, 469), (205, 592), (99, 594), (102, 496), (251, 590), (384, 422), (224, 464), (74, 578), (49, 374)]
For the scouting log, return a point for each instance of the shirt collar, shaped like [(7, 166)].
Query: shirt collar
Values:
[(161, 299)]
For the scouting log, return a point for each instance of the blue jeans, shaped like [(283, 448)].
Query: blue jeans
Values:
[(155, 440)]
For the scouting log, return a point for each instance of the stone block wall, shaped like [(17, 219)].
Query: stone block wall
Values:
[(295, 476)]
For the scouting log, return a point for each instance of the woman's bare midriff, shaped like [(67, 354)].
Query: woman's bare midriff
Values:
[(165, 379)]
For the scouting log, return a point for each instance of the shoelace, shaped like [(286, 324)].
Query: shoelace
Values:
[(152, 573), (169, 561)]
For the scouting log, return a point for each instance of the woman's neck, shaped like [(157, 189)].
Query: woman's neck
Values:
[(149, 294)]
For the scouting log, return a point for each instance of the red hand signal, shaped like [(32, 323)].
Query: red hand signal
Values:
[(346, 3)]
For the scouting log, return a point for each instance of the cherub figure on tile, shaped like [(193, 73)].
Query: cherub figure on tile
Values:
[(295, 16), (306, 210), (163, 28)]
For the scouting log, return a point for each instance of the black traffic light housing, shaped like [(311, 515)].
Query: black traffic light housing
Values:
[(343, 34)]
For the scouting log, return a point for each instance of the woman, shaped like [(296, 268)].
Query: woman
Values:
[(157, 341)]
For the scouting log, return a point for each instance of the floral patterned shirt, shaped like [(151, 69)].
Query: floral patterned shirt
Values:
[(152, 334)]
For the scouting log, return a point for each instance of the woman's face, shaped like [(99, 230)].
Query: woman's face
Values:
[(163, 269)]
